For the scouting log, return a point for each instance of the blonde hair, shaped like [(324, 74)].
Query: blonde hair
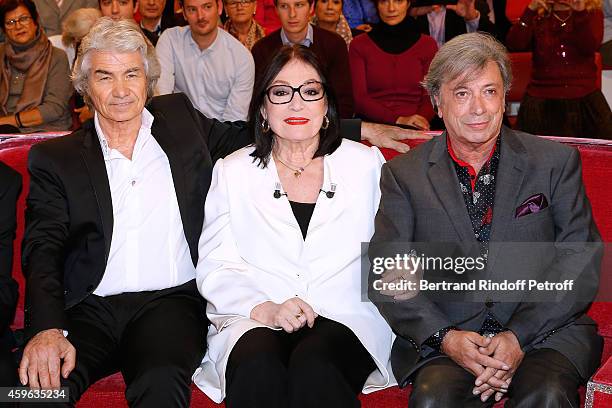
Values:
[(77, 25)]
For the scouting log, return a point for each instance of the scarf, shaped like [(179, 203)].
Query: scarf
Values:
[(395, 39), (34, 60)]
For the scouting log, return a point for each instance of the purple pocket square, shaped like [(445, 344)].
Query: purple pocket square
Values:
[(532, 205)]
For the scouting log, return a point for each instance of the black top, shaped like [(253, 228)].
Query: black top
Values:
[(395, 39), (303, 214)]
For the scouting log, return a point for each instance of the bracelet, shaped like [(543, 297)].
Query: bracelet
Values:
[(435, 341), (18, 120)]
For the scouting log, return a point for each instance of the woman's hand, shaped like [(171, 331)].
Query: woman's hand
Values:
[(465, 9), (290, 315), (364, 27), (415, 120)]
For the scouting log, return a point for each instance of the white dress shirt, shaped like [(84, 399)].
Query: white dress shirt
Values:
[(218, 80), (148, 249)]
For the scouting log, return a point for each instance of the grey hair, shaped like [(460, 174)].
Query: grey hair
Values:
[(120, 36), (464, 56), (77, 25)]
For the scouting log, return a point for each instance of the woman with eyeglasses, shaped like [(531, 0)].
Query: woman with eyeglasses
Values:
[(280, 256), (241, 23), (562, 98), (35, 82)]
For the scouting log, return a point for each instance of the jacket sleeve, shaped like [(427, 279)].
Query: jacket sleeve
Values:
[(46, 234), (579, 254), (414, 319), (222, 276)]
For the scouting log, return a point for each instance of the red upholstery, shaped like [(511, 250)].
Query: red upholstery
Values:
[(597, 173), (515, 8)]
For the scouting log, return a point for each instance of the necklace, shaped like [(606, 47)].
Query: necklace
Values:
[(563, 21), (296, 172)]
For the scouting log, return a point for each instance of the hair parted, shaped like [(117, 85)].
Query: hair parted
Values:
[(464, 56), (77, 24), (330, 138), (122, 36)]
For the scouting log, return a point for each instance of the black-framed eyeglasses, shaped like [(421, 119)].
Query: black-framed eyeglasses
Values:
[(309, 92), (22, 20)]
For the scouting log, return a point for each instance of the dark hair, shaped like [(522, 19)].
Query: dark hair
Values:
[(276, 2), (133, 2), (6, 6), (330, 138)]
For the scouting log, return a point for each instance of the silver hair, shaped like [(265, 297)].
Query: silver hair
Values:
[(464, 56), (122, 36), (77, 25)]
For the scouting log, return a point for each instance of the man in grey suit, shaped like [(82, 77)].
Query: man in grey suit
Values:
[(52, 12), (519, 200)]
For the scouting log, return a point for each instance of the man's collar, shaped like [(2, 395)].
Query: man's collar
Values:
[(307, 41), (157, 28), (146, 123), (212, 45)]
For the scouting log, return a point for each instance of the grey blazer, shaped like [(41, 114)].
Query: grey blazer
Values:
[(51, 16), (422, 202)]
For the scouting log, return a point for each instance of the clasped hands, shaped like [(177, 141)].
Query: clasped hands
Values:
[(291, 315), (464, 8), (493, 361)]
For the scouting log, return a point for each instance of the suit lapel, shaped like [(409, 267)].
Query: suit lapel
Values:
[(446, 185), (510, 174), (161, 133), (94, 162)]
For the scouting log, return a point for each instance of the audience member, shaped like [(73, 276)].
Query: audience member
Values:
[(474, 188), (207, 63), (446, 22), (240, 22), (267, 16), (387, 67), (280, 260), (10, 186), (360, 14), (153, 21), (34, 76), (329, 47), (562, 98), (74, 28), (118, 9), (328, 16), (53, 13)]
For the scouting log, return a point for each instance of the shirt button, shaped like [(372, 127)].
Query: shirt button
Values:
[(133, 182)]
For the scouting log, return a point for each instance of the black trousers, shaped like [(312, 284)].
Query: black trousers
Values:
[(156, 339), (325, 366), (545, 379)]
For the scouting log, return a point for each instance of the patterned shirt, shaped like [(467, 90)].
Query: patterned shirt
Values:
[(479, 195), (256, 32)]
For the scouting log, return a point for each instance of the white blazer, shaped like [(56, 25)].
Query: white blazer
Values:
[(252, 251)]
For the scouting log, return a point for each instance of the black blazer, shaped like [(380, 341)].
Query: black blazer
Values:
[(69, 216), (455, 25), (10, 186)]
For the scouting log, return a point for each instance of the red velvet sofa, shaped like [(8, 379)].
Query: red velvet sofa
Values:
[(597, 174)]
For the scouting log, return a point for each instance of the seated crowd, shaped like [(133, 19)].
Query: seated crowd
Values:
[(203, 223), (376, 72)]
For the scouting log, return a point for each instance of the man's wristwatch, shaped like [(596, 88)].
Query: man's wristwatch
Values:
[(435, 340)]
